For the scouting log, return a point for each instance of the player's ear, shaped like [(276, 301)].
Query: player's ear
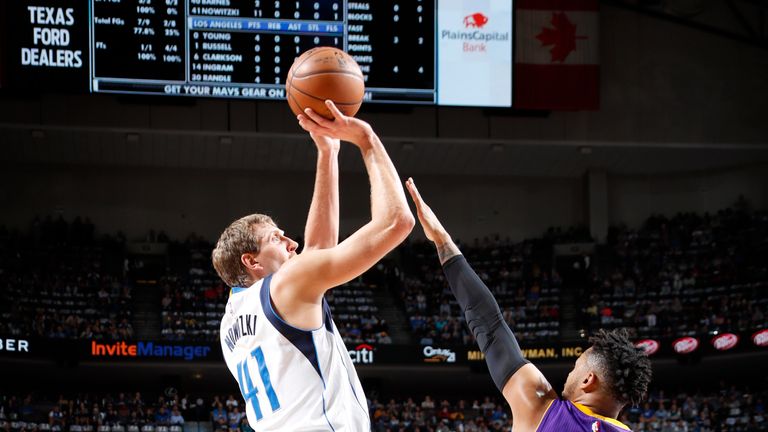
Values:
[(250, 262), (589, 382)]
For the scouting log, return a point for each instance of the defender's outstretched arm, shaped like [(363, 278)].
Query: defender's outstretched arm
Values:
[(523, 385)]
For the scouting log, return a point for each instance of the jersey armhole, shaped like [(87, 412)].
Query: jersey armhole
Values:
[(543, 416)]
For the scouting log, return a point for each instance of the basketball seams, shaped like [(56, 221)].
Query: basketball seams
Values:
[(309, 55), (323, 75), (292, 101), (321, 99), (332, 71), (312, 53)]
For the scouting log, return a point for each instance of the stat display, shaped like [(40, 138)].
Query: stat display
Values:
[(244, 48), (236, 49)]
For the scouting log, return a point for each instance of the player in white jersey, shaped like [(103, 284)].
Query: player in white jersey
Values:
[(277, 335)]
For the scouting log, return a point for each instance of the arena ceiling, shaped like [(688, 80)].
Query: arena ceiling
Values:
[(105, 147)]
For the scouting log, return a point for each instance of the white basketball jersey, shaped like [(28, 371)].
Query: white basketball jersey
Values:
[(290, 379)]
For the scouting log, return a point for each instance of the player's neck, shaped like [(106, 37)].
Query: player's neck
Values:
[(599, 405)]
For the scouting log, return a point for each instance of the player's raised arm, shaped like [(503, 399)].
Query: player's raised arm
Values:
[(523, 385), (322, 229), (304, 279)]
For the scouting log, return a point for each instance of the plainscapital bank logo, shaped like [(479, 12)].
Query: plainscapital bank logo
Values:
[(475, 20), (476, 38)]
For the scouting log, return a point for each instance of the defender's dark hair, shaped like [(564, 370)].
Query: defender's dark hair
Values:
[(627, 369)]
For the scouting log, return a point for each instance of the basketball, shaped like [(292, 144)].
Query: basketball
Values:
[(325, 73)]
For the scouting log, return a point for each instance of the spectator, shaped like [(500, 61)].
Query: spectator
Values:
[(176, 417), (231, 402), (245, 426), (234, 418), (219, 417), (56, 418)]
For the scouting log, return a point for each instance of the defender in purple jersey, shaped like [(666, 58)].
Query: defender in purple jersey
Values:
[(606, 377)]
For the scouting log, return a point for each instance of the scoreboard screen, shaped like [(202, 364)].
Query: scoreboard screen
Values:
[(444, 52)]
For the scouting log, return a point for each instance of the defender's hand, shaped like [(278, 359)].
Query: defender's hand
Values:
[(341, 127), (433, 229)]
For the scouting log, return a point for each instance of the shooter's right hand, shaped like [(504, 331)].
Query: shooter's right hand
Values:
[(342, 127)]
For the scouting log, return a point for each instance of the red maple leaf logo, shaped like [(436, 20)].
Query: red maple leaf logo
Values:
[(562, 37)]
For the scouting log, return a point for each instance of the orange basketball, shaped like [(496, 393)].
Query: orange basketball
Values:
[(325, 73)]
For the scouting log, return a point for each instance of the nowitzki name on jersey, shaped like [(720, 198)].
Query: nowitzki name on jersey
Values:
[(245, 325)]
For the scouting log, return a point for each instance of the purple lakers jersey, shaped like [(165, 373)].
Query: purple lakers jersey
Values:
[(566, 416)]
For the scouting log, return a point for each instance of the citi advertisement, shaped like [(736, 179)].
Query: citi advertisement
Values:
[(474, 52), (362, 354)]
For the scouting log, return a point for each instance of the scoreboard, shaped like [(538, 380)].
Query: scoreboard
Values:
[(446, 52)]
